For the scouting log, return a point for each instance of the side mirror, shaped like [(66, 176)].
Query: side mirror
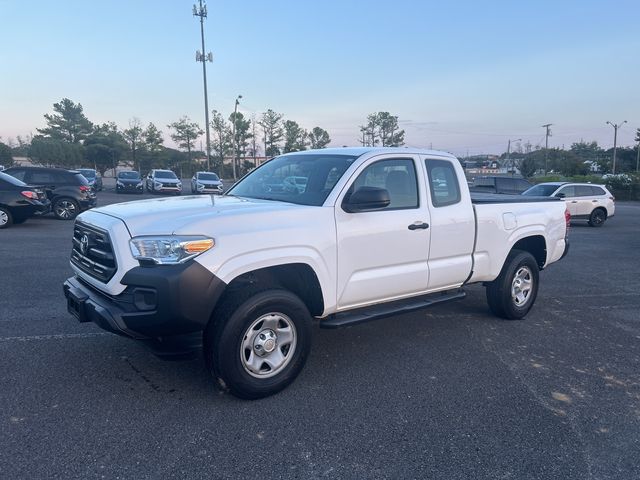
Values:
[(367, 199), (560, 195)]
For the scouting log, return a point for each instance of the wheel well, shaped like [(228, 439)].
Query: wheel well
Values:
[(298, 278), (536, 246), (600, 208)]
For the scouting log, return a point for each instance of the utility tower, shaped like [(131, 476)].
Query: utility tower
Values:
[(546, 146), (204, 58), (615, 126)]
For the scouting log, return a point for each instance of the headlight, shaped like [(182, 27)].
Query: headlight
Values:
[(170, 249), (157, 184), (139, 185), (179, 185), (199, 186), (119, 183)]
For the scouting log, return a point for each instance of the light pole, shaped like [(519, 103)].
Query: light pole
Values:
[(509, 154), (204, 58), (235, 143), (615, 126), (546, 145)]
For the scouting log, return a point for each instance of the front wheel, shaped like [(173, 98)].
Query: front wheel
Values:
[(597, 217), (514, 292), (257, 344), (66, 209)]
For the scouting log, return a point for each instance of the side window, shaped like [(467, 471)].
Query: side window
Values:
[(597, 191), (504, 184), (443, 183), (584, 191), (568, 191), (41, 178), (397, 176), (19, 174)]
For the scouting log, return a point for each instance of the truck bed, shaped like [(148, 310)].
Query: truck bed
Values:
[(482, 198)]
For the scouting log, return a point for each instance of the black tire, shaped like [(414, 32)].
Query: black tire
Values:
[(6, 219), (229, 331), (597, 217), (65, 208), (505, 298)]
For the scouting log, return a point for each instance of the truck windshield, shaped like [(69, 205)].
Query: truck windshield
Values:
[(305, 179)]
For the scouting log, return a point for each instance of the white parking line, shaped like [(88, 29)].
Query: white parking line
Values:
[(59, 336)]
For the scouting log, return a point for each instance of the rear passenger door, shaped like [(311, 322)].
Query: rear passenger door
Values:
[(585, 199), (453, 225)]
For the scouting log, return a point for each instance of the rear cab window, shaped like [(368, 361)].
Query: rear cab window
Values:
[(443, 183)]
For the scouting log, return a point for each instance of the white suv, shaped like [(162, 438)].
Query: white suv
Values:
[(586, 201)]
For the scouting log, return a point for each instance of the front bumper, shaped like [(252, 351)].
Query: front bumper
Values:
[(129, 187), (162, 301)]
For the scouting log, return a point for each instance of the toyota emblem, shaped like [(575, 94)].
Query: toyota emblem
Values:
[(84, 244)]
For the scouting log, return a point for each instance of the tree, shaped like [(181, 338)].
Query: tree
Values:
[(382, 128), (55, 152), (133, 136), (6, 155), (68, 123), (221, 142), (243, 134), (186, 134), (319, 138), (295, 137), (105, 147), (528, 166), (152, 139), (271, 123)]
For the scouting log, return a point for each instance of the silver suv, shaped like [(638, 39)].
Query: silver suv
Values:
[(163, 181), (206, 182), (585, 201)]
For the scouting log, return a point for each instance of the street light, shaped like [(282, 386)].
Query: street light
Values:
[(509, 154), (235, 143), (615, 126)]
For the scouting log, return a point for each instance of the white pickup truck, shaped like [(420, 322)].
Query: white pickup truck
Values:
[(367, 233)]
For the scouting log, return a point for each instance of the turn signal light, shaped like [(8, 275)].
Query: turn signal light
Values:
[(84, 188), (30, 195), (197, 246)]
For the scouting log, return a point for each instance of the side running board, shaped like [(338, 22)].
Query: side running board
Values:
[(375, 312)]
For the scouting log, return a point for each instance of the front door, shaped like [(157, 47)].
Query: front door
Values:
[(383, 254)]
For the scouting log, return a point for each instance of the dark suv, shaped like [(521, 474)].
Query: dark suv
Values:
[(68, 190)]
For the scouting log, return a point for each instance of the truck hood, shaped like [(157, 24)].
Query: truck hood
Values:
[(187, 214)]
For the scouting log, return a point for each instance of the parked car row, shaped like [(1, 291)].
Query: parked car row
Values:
[(28, 191)]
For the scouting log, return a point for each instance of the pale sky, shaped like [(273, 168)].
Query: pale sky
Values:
[(461, 75)]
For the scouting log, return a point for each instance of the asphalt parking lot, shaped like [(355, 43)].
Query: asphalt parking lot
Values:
[(446, 393)]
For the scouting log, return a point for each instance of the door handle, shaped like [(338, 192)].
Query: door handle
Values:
[(594, 201), (418, 226), (574, 201)]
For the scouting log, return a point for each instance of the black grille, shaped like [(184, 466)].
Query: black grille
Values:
[(92, 252)]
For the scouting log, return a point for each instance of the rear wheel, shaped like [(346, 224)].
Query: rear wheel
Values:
[(597, 217), (65, 209), (257, 344), (6, 218), (514, 292)]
